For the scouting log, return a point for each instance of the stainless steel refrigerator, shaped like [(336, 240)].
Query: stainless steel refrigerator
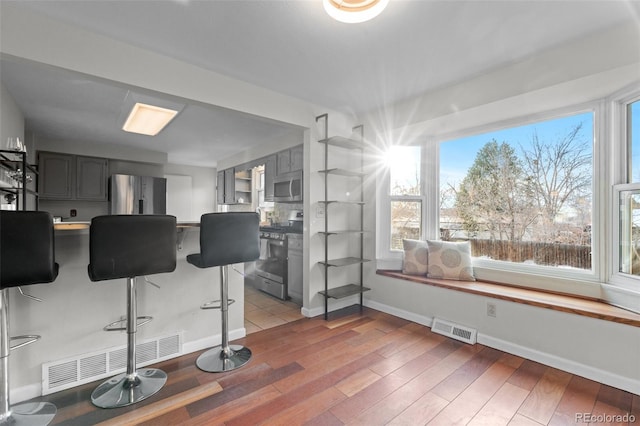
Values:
[(137, 195)]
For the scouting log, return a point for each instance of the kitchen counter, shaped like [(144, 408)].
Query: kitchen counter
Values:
[(74, 226)]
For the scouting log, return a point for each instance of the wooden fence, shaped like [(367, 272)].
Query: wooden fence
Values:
[(570, 255)]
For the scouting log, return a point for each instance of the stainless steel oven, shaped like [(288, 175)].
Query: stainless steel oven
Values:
[(271, 267)]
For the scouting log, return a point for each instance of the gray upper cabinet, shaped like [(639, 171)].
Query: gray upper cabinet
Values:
[(283, 162), (290, 160), (56, 176), (220, 187), (269, 176), (71, 177), (229, 186), (297, 158), (91, 178)]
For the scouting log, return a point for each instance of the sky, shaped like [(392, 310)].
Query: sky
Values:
[(456, 156), (635, 141)]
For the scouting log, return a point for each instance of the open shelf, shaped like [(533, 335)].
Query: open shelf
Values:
[(343, 232), (342, 172), (344, 291), (342, 142), (333, 290), (344, 261)]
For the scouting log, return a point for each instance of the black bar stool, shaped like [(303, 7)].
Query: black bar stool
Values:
[(26, 257), (130, 246), (225, 239)]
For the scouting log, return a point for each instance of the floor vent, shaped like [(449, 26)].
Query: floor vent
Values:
[(455, 331), (85, 368)]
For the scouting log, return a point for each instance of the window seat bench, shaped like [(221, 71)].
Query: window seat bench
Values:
[(558, 302)]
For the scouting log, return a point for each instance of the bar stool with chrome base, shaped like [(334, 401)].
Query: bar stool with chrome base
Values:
[(130, 246), (26, 257), (225, 239)]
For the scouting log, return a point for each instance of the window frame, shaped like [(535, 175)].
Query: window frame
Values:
[(584, 283), (388, 257), (618, 116)]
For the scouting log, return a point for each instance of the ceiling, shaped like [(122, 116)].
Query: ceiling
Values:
[(294, 48)]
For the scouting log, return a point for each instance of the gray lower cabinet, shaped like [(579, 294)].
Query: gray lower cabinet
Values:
[(72, 177), (294, 266)]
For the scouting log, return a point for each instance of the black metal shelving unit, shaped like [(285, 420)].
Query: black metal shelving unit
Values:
[(342, 291), (15, 161)]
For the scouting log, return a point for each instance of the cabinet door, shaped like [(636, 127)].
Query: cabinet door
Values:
[(229, 186), (269, 176), (91, 178), (297, 158), (56, 176), (220, 187), (284, 162)]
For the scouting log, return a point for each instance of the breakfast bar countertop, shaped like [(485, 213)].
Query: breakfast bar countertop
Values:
[(80, 225)]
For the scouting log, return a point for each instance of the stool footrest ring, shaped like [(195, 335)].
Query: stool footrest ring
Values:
[(113, 326), (216, 304), (29, 338)]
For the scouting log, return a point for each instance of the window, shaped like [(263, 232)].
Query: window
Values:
[(405, 191), (522, 194), (627, 195)]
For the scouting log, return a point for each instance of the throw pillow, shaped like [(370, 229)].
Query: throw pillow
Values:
[(416, 257), (449, 260)]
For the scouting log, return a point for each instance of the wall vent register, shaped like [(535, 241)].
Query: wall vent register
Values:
[(455, 331), (85, 368)]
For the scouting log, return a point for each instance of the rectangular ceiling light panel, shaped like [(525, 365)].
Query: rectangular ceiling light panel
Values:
[(148, 119)]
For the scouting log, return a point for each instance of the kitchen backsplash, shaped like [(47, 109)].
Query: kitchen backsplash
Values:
[(279, 213)]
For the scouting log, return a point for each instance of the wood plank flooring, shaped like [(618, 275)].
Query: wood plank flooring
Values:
[(361, 368)]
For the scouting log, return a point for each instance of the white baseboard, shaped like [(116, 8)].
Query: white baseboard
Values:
[(334, 305), (551, 360), (211, 341), (563, 364)]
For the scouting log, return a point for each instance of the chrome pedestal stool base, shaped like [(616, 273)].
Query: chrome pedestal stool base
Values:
[(217, 360), (30, 414), (123, 390)]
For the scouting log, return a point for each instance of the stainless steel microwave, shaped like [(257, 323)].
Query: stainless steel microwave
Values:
[(287, 188)]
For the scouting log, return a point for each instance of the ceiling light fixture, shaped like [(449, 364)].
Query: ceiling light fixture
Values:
[(354, 11), (148, 119)]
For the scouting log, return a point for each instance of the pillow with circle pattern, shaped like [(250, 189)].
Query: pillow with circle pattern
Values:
[(416, 257), (450, 260)]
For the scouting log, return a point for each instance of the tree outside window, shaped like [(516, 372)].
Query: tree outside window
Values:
[(522, 194)]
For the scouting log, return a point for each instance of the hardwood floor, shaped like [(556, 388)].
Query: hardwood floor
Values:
[(361, 368)]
